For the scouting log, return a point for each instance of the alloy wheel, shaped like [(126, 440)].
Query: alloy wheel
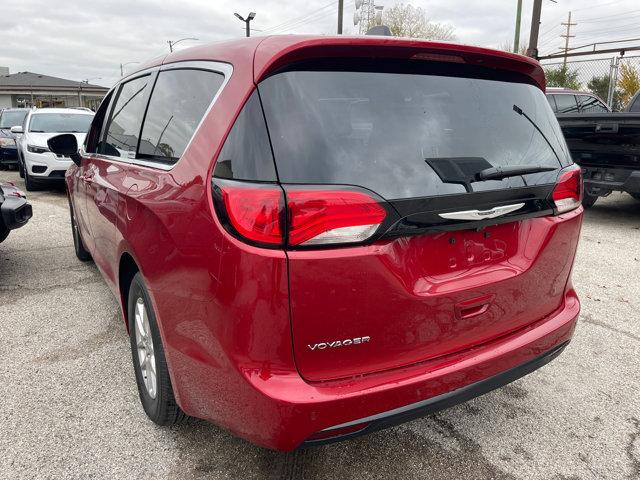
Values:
[(144, 344)]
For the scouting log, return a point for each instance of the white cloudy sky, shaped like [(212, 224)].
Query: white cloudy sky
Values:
[(89, 39)]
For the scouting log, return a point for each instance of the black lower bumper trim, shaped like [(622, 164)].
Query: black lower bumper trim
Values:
[(15, 212), (435, 404)]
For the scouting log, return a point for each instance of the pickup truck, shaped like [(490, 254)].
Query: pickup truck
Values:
[(15, 211), (605, 144)]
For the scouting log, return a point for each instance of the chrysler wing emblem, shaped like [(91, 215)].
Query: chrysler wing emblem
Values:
[(482, 214)]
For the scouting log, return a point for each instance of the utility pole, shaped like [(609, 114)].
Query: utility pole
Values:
[(532, 51), (516, 38), (566, 37), (340, 13)]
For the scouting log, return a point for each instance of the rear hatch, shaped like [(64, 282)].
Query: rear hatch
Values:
[(415, 197), (415, 135), (603, 140)]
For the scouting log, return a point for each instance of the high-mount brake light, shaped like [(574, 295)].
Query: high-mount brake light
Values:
[(323, 217), (567, 194), (254, 213)]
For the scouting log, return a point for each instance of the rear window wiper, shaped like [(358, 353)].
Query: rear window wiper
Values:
[(467, 170), (498, 173), (521, 112)]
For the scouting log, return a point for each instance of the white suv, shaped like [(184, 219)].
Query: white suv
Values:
[(37, 164)]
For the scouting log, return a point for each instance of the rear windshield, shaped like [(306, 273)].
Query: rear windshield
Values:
[(60, 122), (13, 118), (389, 132)]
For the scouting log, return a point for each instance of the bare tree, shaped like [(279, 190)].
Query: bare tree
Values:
[(409, 21), (508, 47)]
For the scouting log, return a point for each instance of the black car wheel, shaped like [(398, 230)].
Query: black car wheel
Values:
[(78, 244), (20, 166), (29, 183), (149, 363), (4, 232), (589, 200)]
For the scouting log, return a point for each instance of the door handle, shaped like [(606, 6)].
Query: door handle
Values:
[(606, 128), (473, 307)]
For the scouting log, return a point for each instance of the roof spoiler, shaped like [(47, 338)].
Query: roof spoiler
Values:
[(273, 53)]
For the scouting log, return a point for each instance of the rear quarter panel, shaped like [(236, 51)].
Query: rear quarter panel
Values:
[(222, 306)]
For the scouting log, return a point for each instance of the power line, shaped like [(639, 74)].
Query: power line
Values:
[(605, 18), (300, 17), (318, 16), (548, 30), (612, 29), (312, 18), (592, 7)]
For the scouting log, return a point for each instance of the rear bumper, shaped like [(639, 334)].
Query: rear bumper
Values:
[(8, 156), (602, 181), (416, 410), (282, 411)]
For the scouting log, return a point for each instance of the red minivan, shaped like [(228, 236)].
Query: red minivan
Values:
[(313, 238)]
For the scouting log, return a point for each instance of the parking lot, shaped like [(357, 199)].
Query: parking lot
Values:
[(70, 406)]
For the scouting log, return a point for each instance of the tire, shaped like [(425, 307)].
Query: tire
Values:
[(589, 200), (20, 167), (78, 245), (4, 232), (29, 183), (157, 397)]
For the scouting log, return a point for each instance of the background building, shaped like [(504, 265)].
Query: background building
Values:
[(26, 89)]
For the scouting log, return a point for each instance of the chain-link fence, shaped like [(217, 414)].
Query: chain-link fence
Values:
[(614, 79)]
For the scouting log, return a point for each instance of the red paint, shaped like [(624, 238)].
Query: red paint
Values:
[(224, 306)]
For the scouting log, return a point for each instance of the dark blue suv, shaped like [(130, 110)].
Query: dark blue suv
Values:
[(8, 118)]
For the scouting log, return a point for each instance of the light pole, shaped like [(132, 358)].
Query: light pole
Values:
[(124, 65), (251, 16), (173, 43)]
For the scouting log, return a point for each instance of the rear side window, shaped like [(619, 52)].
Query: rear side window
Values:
[(178, 103), (95, 132), (123, 129), (566, 103), (552, 102), (635, 105), (395, 133), (246, 154), (589, 104)]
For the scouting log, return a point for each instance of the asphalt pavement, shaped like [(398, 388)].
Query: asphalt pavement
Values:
[(69, 406)]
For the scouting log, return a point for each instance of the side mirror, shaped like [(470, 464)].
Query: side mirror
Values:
[(17, 129), (65, 145)]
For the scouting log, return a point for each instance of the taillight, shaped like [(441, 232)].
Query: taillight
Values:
[(567, 194), (322, 217), (314, 216), (254, 213)]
